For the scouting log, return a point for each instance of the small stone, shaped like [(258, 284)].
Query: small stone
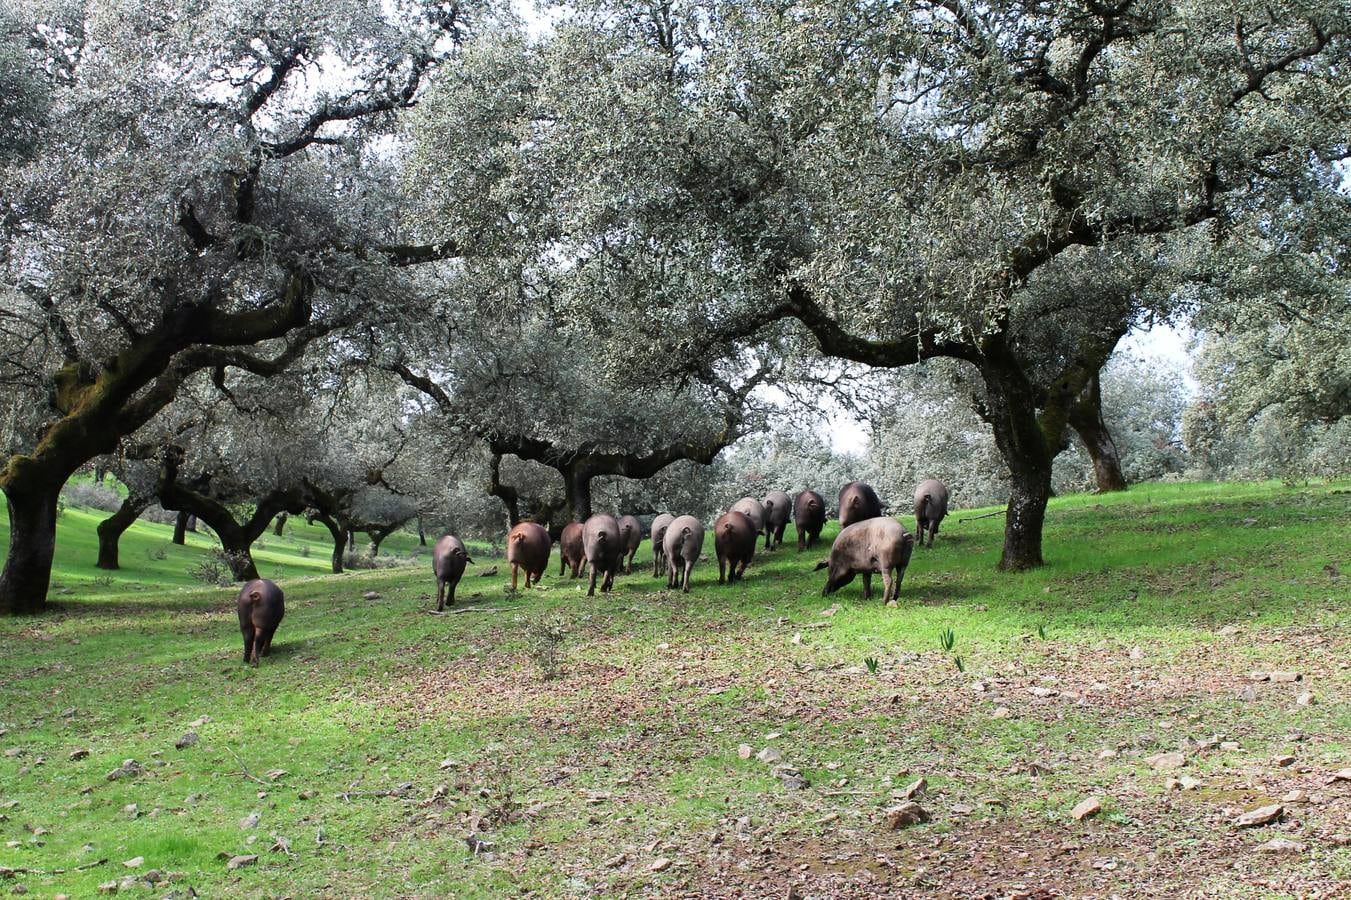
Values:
[(1282, 845), (1340, 775), (1042, 692), (914, 789), (1166, 762), (371, 595), (249, 821), (199, 721), (239, 862), (908, 813), (1286, 677), (130, 768), (661, 864), (131, 810), (1086, 809), (1137, 653), (1296, 796), (769, 755), (15, 752), (76, 755), (1283, 761), (306, 795), (1262, 815), (1230, 746), (108, 887), (962, 809), (1187, 783), (1107, 754), (615, 862), (135, 862), (744, 751), (1306, 698), (188, 739), (1001, 712)]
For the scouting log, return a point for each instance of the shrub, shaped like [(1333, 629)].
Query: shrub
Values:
[(544, 639), (91, 495)]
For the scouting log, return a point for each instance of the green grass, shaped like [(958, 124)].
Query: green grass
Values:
[(632, 752)]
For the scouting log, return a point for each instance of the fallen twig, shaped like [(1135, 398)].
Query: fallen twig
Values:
[(998, 512), (9, 872), (467, 609), (244, 770)]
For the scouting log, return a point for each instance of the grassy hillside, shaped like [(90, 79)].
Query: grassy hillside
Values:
[(379, 736)]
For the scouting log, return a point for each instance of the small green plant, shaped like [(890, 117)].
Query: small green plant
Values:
[(156, 553), (103, 581), (1041, 632), (872, 664), (957, 661), (304, 551), (544, 641), (948, 638)]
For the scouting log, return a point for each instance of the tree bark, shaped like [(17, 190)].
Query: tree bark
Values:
[(180, 528), (577, 484), (339, 535), (280, 528), (1085, 417), (191, 524), (27, 574), (1011, 410), (111, 529), (421, 533)]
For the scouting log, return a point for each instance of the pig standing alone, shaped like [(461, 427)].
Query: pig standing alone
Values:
[(659, 526), (603, 548), (528, 547), (734, 540), (931, 505), (873, 545), (570, 552), (630, 536), (684, 541), (777, 507), (448, 561), (809, 512), (754, 510), (261, 607), (858, 501)]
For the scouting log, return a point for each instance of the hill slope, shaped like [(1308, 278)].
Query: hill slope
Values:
[(378, 736)]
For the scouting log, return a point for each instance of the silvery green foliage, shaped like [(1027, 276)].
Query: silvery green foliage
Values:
[(198, 157), (928, 428)]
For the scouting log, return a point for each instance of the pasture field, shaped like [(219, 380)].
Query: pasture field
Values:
[(381, 744)]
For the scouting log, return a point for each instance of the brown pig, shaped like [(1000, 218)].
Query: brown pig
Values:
[(873, 545), (630, 536), (858, 501), (448, 561), (659, 526), (734, 540), (684, 540), (528, 546), (603, 548), (931, 505), (570, 552), (809, 512), (261, 607), (778, 506)]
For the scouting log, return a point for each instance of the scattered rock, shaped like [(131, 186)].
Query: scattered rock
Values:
[(306, 795), (239, 862), (908, 813), (1339, 775), (914, 788), (371, 595), (199, 721), (1306, 698), (1296, 796), (15, 752), (249, 821), (615, 862), (1107, 754), (1262, 815), (1001, 712), (135, 862), (77, 755), (744, 751), (1230, 746), (131, 810), (1042, 691), (962, 809), (661, 864), (791, 778), (188, 739), (276, 774), (1166, 762), (1137, 653), (1286, 677), (1282, 845), (1183, 783), (108, 887), (1086, 809), (1283, 761), (130, 768), (769, 755), (488, 572)]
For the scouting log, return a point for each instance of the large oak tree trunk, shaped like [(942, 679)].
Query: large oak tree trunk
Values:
[(577, 483), (181, 528), (339, 535), (32, 543), (111, 529), (279, 529), (1085, 417), (1011, 410)]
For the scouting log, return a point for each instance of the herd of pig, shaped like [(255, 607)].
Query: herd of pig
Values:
[(868, 543)]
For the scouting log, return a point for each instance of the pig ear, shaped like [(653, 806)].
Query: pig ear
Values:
[(470, 561), (908, 539), (823, 564), (255, 596)]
